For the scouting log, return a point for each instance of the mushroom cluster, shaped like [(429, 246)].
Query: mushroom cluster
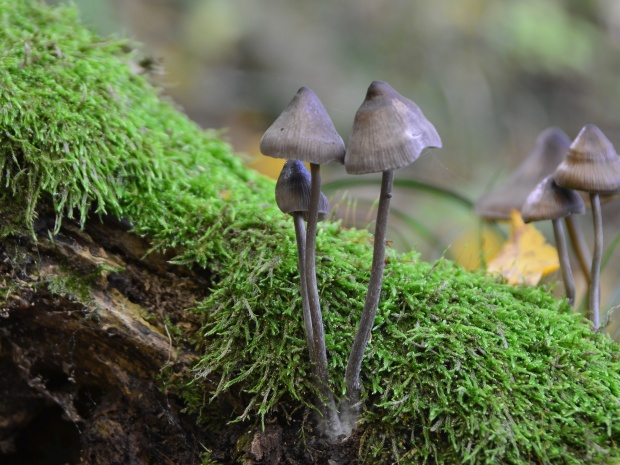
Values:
[(543, 188), (389, 132), (592, 166), (549, 151)]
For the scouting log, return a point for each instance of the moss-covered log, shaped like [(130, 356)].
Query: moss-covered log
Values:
[(149, 297)]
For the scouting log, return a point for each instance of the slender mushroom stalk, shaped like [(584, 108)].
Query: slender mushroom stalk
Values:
[(548, 201), (293, 197), (567, 272), (354, 364), (592, 166), (580, 246), (331, 413), (389, 132), (597, 256), (304, 132), (300, 237), (310, 273)]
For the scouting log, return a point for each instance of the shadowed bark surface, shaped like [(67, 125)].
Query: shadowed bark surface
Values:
[(81, 381)]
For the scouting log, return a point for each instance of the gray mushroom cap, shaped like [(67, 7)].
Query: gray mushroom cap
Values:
[(550, 149), (591, 165), (548, 201), (303, 131), (389, 132), (293, 191)]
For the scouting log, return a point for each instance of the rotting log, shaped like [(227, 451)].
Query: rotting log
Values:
[(92, 328), (80, 382), (461, 366)]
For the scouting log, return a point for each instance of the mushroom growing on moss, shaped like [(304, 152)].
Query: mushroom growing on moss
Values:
[(389, 132), (548, 201), (293, 197), (592, 166), (305, 132)]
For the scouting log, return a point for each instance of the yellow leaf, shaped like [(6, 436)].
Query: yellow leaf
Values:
[(525, 257), (476, 245)]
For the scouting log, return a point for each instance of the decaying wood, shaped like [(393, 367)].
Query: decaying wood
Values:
[(82, 380), (84, 370)]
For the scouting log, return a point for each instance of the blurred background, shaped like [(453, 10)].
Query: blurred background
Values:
[(490, 75)]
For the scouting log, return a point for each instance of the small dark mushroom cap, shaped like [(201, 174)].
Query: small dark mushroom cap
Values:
[(303, 131), (389, 132), (591, 165), (293, 191), (551, 147), (548, 201)]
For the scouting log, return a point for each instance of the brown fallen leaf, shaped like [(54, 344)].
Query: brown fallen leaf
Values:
[(525, 257)]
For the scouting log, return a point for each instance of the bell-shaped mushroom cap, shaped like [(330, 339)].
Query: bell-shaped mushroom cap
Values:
[(389, 132), (591, 165), (548, 201), (303, 131), (551, 147), (293, 191)]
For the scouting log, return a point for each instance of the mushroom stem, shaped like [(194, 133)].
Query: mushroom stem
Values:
[(567, 273), (320, 353), (300, 236), (354, 364), (580, 246), (597, 256)]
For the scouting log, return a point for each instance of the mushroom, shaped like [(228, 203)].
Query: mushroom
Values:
[(548, 201), (592, 166), (293, 197), (389, 132), (305, 132), (548, 152), (551, 147)]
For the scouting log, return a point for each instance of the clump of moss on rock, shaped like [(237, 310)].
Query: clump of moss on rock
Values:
[(460, 369)]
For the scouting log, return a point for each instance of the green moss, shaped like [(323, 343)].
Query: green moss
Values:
[(79, 128), (461, 368)]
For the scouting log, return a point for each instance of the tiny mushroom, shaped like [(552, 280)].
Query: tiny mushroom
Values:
[(550, 149), (389, 132), (592, 166), (548, 201), (305, 132), (293, 197)]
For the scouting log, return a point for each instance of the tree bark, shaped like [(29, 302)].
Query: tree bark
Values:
[(83, 368)]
